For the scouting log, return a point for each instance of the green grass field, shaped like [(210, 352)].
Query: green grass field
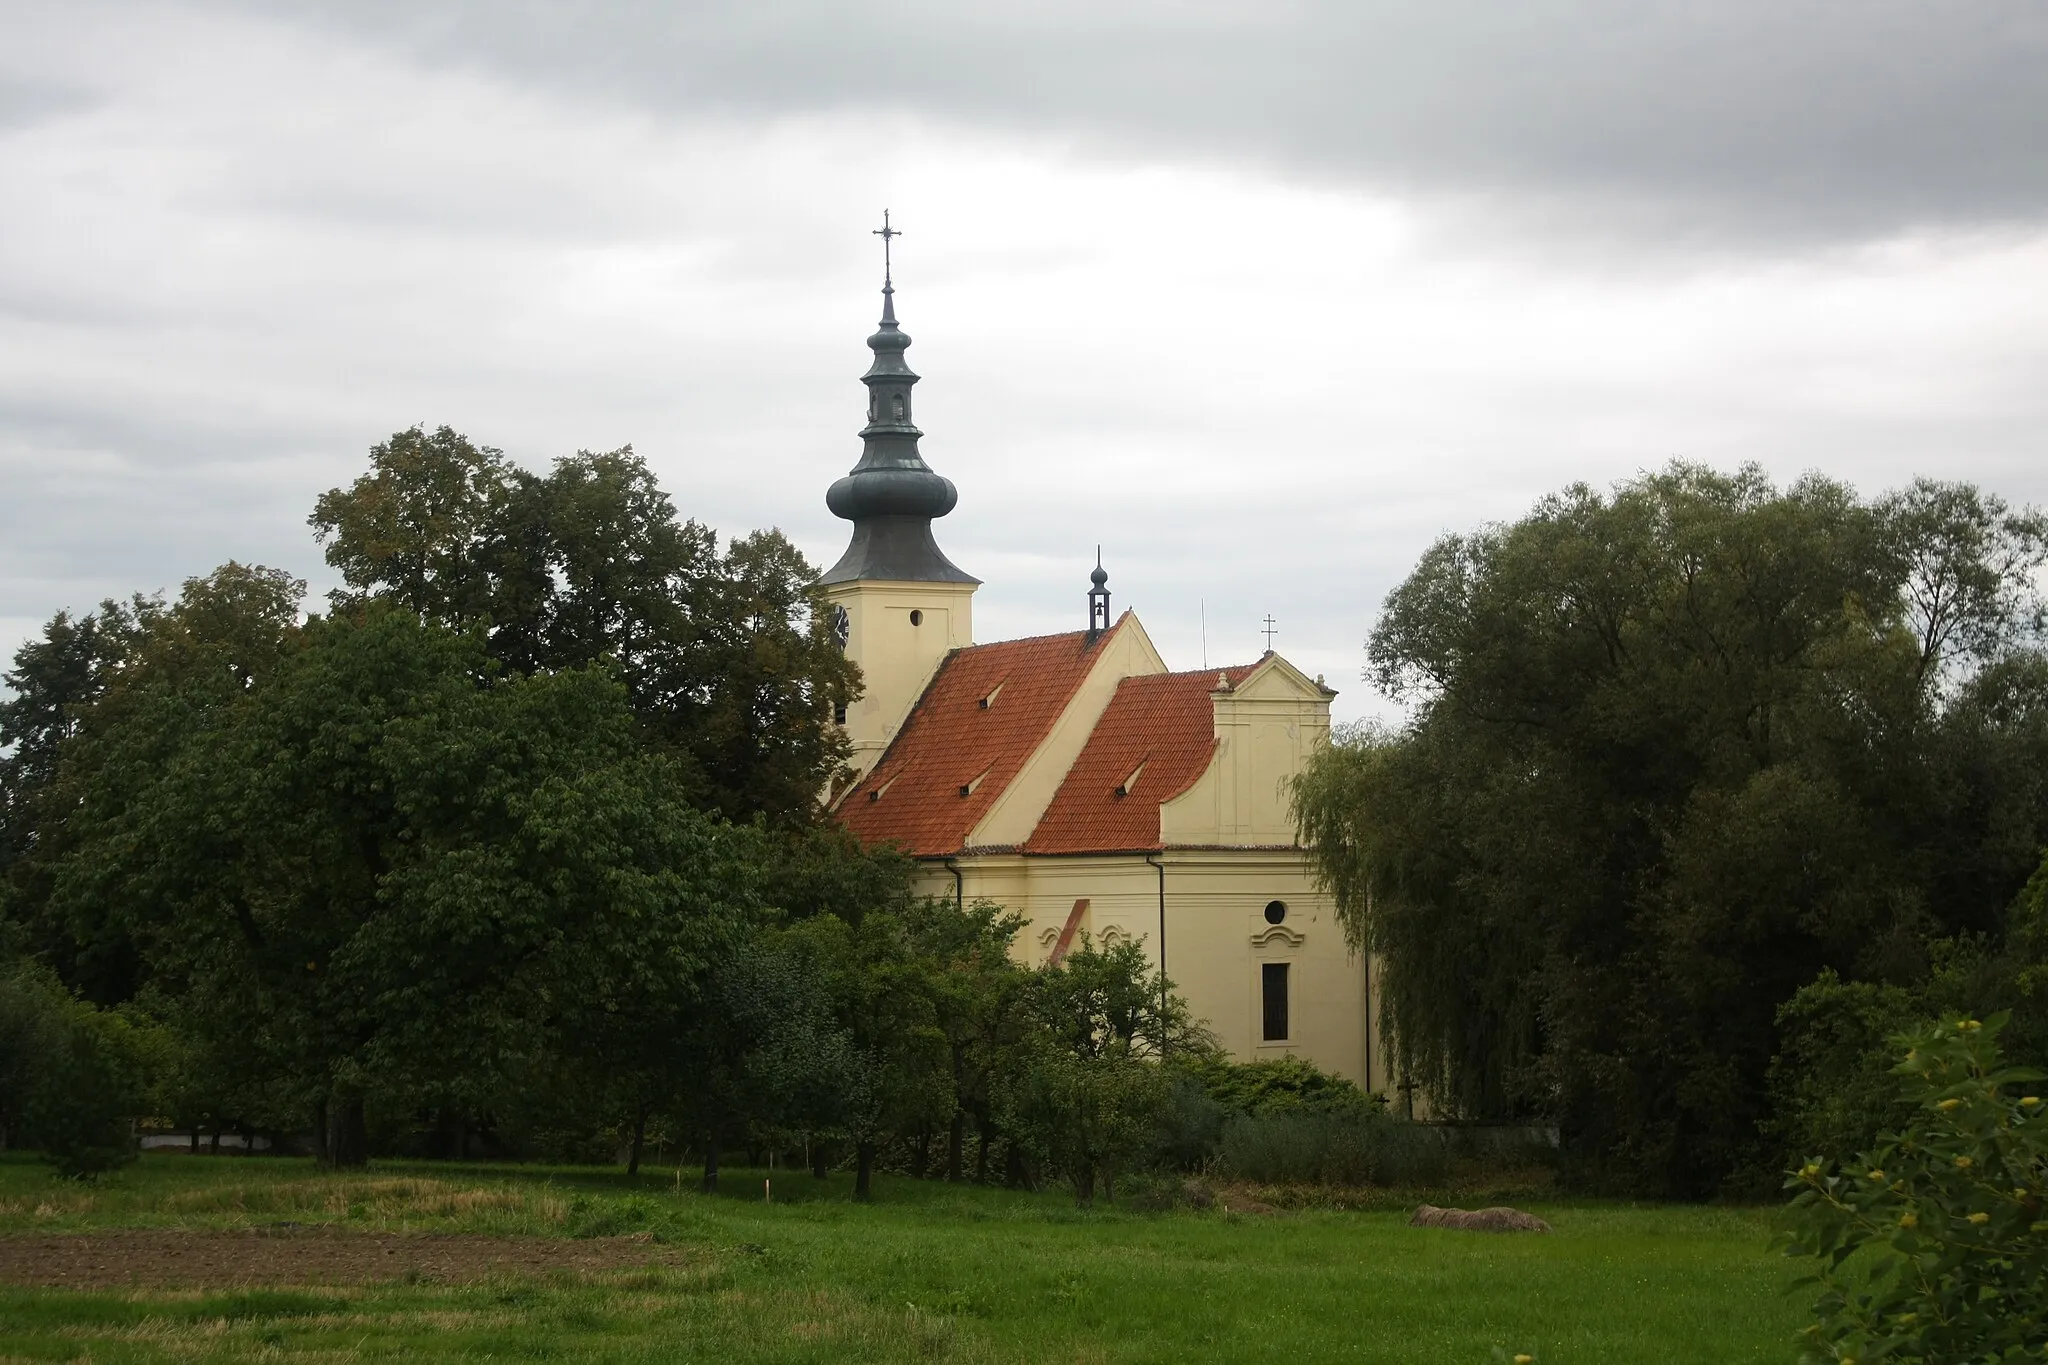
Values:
[(929, 1273)]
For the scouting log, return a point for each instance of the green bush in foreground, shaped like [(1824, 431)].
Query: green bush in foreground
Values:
[(1934, 1246)]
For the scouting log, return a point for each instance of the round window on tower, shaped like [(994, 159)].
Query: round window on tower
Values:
[(1275, 911), (916, 618)]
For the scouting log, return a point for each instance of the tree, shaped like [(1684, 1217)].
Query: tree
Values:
[(388, 869), (150, 673), (1673, 752), (727, 657), (1085, 1089), (898, 1075)]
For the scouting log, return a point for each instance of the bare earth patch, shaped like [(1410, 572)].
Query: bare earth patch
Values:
[(92, 1260)]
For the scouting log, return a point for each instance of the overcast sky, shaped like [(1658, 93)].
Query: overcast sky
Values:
[(1260, 297)]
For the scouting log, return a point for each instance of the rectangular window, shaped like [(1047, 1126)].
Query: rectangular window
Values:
[(1273, 983)]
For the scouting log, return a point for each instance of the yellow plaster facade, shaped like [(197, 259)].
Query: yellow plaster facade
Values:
[(898, 633), (1216, 937), (1199, 904), (1266, 727)]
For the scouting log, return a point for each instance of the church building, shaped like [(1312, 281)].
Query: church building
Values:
[(1074, 778)]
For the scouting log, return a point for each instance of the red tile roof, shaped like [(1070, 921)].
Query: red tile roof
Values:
[(913, 797), (1162, 728)]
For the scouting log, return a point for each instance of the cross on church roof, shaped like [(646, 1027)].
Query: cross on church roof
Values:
[(1270, 631), (887, 234)]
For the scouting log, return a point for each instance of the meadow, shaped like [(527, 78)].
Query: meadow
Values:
[(191, 1258)]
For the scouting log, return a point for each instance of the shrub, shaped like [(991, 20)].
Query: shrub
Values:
[(1191, 1123), (74, 1074), (1359, 1148), (1934, 1245), (1279, 1085)]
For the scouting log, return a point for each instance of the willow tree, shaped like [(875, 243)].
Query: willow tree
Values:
[(1673, 751)]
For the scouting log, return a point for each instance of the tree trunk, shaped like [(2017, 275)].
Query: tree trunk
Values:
[(348, 1137), (864, 1170), (711, 1164), (195, 1139), (1084, 1185), (821, 1160), (213, 1143), (981, 1149), (639, 1141), (956, 1145), (1109, 1184)]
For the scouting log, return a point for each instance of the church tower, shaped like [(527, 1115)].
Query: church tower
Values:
[(899, 606)]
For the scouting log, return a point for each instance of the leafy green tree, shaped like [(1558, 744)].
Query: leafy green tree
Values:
[(386, 868), (1933, 1246), (726, 656), (885, 998), (418, 528), (980, 998), (1086, 1089), (55, 679), (144, 670), (1674, 751)]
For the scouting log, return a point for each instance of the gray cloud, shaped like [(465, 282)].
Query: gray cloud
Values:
[(1243, 293), (1720, 124)]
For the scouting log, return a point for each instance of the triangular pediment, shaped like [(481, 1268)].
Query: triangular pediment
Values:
[(1275, 679)]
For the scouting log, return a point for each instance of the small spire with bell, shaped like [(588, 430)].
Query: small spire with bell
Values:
[(1098, 599)]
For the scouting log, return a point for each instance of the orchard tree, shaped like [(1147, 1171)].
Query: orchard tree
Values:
[(1084, 1089), (391, 870)]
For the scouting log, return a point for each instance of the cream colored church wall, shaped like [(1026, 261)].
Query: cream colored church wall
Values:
[(896, 658), (1128, 653), (1216, 937)]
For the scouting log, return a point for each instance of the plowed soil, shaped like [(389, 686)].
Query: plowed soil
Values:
[(95, 1260)]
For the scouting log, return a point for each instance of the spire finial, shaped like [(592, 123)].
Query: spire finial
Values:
[(1098, 598), (888, 234)]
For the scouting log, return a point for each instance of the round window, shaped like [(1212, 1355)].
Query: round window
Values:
[(1275, 911), (916, 618)]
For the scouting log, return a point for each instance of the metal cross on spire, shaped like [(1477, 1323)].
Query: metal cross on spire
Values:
[(887, 234), (1270, 631)]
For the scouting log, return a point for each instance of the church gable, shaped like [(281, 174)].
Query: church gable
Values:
[(978, 724), (1266, 725), (1153, 741)]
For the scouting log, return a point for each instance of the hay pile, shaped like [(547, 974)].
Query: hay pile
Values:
[(1477, 1220)]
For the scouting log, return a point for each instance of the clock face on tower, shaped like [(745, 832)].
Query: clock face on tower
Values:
[(842, 625)]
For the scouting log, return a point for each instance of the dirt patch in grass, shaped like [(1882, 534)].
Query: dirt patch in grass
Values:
[(289, 1256)]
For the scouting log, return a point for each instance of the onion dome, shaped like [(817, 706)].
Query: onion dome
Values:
[(891, 495)]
